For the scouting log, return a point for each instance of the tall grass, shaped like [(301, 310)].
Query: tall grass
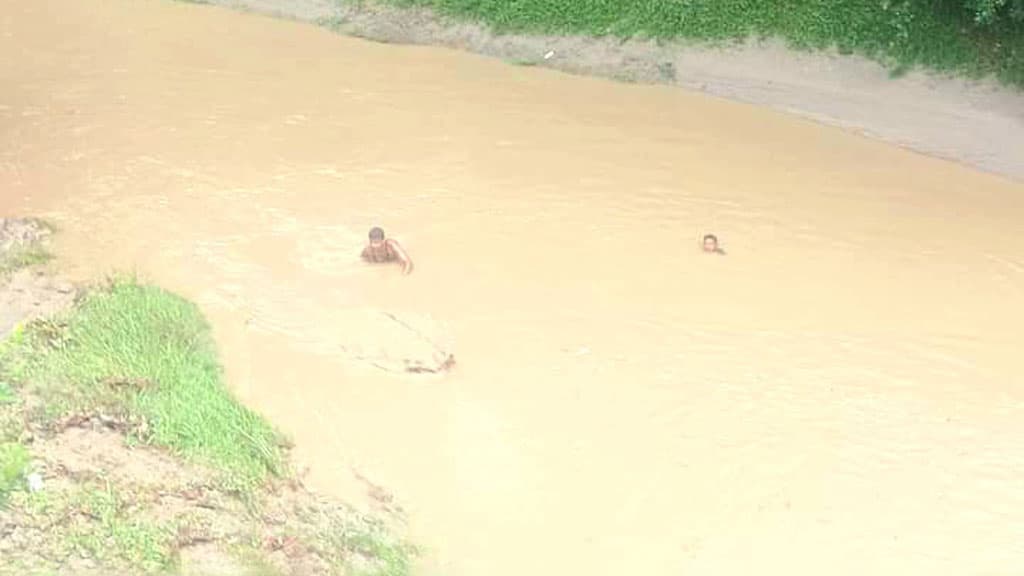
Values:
[(937, 34), (158, 347)]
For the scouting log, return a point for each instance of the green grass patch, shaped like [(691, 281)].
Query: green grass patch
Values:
[(149, 354), (6, 394), (358, 545), (113, 532), (937, 34), (14, 461), (12, 424), (390, 556), (100, 523)]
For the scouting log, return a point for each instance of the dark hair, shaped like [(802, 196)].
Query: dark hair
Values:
[(710, 237), (376, 233)]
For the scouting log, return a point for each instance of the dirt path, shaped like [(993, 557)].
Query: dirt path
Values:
[(977, 123)]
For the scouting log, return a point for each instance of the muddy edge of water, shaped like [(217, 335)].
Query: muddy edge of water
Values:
[(973, 122)]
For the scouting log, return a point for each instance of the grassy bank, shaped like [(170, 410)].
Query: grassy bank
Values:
[(144, 354), (121, 451), (937, 34)]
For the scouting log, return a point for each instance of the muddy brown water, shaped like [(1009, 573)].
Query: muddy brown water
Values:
[(841, 394)]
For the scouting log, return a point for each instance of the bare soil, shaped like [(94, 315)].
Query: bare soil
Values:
[(973, 122), (208, 528), (27, 293)]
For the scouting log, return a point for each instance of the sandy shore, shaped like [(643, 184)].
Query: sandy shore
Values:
[(977, 123)]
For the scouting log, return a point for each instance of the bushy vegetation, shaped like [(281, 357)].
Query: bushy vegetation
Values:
[(992, 11), (970, 37)]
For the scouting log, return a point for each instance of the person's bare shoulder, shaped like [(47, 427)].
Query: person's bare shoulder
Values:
[(397, 249)]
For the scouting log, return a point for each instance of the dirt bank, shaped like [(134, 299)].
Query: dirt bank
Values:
[(26, 291), (103, 505), (977, 123), (83, 491)]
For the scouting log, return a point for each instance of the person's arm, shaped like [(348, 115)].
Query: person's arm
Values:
[(402, 256), (365, 255)]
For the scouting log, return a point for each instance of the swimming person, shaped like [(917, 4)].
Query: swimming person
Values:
[(381, 250), (710, 244)]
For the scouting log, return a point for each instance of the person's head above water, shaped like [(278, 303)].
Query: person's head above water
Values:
[(380, 250), (710, 243), (376, 236)]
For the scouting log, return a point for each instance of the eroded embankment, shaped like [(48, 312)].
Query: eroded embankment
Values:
[(109, 460)]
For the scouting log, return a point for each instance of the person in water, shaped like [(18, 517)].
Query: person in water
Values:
[(710, 244), (383, 250)]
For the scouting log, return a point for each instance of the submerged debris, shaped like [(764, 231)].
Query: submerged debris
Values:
[(402, 343)]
